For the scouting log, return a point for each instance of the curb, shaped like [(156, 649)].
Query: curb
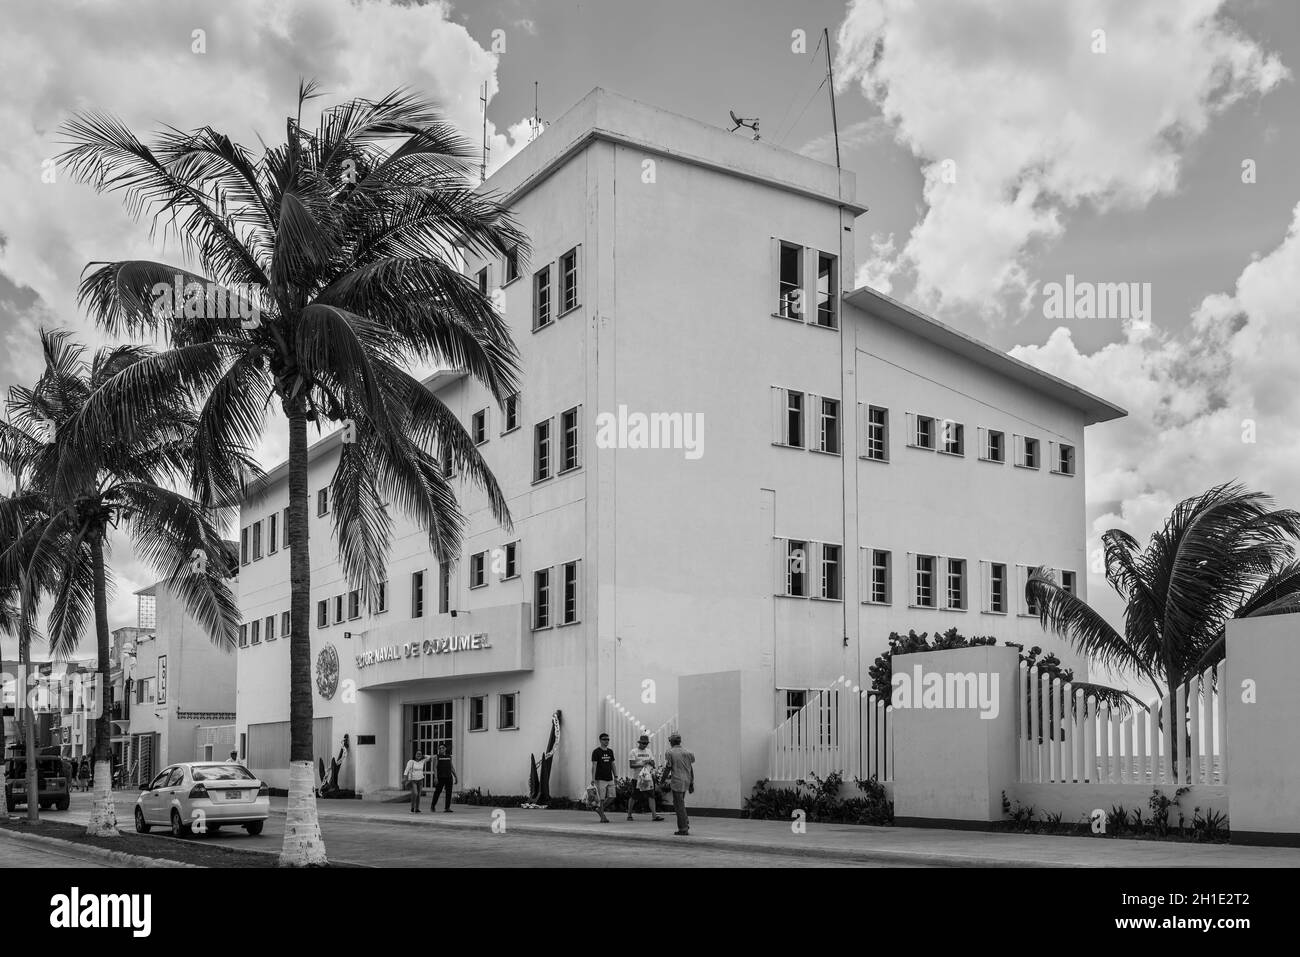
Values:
[(120, 858), (861, 855)]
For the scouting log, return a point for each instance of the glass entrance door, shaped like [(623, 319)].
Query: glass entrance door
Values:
[(429, 725)]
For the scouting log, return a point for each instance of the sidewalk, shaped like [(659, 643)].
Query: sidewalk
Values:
[(899, 845), (16, 851)]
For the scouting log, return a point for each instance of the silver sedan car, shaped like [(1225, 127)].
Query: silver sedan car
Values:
[(201, 797)]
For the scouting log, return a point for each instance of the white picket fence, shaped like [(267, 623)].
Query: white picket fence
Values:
[(1065, 738), (844, 728), (624, 730)]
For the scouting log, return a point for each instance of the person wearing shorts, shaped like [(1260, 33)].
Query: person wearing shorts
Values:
[(602, 776)]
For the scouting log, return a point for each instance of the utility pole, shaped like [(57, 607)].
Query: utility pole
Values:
[(482, 170)]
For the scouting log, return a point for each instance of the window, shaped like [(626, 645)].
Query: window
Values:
[(1064, 464), (478, 570), (997, 588), (511, 561), (322, 613), (924, 595), (877, 433), (255, 632), (826, 288), (482, 279), (921, 433), (795, 701), (444, 588), (243, 546), (1026, 452), (542, 298), (268, 628), (243, 643), (794, 419), (570, 611), (542, 451), (381, 599), (830, 583), (508, 711), (796, 575), (354, 605), (569, 280), (478, 712), (285, 525), (323, 502), (957, 584), (478, 427), (828, 439), (569, 436), (257, 541), (338, 609), (417, 595), (993, 448), (1029, 607), (954, 438), (790, 293), (286, 620), (881, 593), (542, 598), (512, 413), (1068, 582), (512, 265), (273, 534)]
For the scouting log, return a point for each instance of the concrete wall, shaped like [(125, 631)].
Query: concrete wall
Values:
[(951, 765), (1263, 695), (724, 724)]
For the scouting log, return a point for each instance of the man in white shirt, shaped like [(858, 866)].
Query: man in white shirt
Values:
[(642, 763), (414, 777)]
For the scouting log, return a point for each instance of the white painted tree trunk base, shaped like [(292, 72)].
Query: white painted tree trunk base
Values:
[(103, 813), (303, 846)]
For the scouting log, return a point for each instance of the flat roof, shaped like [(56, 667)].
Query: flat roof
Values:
[(1094, 408), (611, 117)]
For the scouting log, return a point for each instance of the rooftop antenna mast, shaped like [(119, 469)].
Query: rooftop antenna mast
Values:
[(750, 123), (835, 123), (536, 122), (482, 170)]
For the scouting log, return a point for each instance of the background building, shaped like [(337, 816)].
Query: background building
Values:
[(852, 468)]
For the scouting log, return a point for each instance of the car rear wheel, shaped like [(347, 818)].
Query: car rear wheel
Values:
[(62, 804), (255, 828), (179, 827), (141, 825)]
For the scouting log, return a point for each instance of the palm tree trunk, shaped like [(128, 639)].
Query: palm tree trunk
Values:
[(103, 814), (23, 694), (303, 846)]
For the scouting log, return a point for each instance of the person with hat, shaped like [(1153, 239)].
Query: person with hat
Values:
[(602, 776), (642, 763), (681, 771)]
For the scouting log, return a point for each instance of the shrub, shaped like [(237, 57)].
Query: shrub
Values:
[(819, 799)]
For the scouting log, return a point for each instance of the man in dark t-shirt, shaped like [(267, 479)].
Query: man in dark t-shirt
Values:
[(602, 776)]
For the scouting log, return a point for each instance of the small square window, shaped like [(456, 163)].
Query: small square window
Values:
[(569, 435), (268, 628), (481, 278), (924, 596), (323, 502), (478, 570), (877, 433), (243, 637), (255, 632), (542, 298), (381, 598), (542, 451), (257, 541), (569, 280), (511, 569), (923, 432), (285, 621), (338, 609), (995, 446), (417, 594), (322, 613), (478, 426), (570, 612), (542, 598), (511, 413), (953, 437), (1065, 459), (354, 605), (512, 265)]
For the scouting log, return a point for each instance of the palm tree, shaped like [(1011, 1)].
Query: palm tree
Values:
[(78, 485), (1223, 554), (342, 248), (15, 619)]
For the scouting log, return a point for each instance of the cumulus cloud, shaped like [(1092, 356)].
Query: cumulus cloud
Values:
[(1214, 402), (186, 63), (1017, 121)]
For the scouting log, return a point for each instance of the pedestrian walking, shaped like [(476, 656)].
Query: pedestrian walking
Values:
[(444, 775), (681, 770), (602, 776), (642, 763), (414, 777), (83, 774)]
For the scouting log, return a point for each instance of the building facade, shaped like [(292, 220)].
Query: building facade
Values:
[(721, 459)]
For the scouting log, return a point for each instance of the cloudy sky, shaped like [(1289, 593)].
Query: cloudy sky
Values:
[(1001, 145)]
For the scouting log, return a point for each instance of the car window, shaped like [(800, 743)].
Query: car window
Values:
[(178, 775), (159, 781), (222, 772)]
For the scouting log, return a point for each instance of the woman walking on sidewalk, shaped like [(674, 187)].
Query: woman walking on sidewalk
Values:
[(444, 773), (414, 777)]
